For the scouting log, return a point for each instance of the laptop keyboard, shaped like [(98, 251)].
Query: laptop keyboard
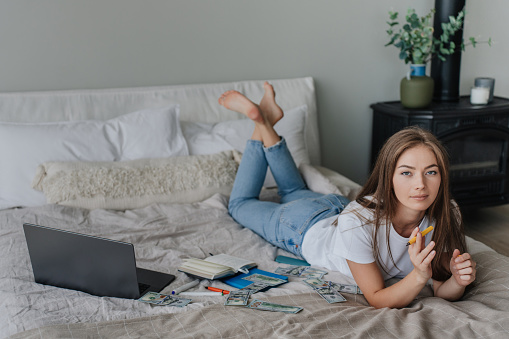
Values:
[(143, 287)]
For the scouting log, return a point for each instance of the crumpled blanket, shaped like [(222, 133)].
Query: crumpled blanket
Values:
[(164, 234)]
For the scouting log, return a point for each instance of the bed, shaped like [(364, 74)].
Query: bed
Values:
[(154, 167)]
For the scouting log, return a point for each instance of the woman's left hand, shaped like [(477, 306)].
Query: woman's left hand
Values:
[(462, 268)]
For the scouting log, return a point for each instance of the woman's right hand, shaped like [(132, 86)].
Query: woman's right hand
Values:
[(421, 256)]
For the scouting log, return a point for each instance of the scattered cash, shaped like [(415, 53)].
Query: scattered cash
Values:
[(331, 291), (267, 306), (238, 298), (255, 287), (153, 298), (311, 272), (291, 271), (316, 283), (301, 271), (342, 288), (265, 279), (176, 301), (164, 300), (345, 288), (326, 290), (330, 295)]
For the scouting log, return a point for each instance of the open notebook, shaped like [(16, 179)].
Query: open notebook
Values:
[(216, 266)]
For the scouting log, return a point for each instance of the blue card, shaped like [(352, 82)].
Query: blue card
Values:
[(291, 261)]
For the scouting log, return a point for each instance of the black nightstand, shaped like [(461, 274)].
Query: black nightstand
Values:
[(476, 137)]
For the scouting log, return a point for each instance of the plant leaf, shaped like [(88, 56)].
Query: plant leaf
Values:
[(394, 37)]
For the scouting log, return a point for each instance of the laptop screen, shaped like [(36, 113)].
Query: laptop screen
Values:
[(98, 266)]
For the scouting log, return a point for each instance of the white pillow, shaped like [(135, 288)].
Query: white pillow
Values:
[(212, 138), (202, 139), (323, 180), (137, 183), (24, 146)]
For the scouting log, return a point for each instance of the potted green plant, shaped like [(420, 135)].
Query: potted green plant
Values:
[(417, 46)]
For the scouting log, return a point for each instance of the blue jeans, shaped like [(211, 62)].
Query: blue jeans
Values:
[(282, 224)]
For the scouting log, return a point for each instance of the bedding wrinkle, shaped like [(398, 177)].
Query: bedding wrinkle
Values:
[(156, 220), (163, 234)]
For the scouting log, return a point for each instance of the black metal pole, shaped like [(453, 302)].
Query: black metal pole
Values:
[(446, 74)]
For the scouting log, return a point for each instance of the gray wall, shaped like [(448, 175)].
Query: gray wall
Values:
[(71, 44)]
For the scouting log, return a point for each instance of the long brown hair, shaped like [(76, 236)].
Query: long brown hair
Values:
[(448, 227)]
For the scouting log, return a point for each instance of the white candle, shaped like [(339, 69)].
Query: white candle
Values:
[(479, 95)]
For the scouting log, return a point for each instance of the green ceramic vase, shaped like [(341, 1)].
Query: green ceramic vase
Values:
[(416, 91)]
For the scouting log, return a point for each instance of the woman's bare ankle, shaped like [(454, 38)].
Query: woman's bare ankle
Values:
[(272, 112), (264, 118)]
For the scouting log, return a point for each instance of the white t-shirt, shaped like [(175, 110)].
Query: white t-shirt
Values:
[(329, 246)]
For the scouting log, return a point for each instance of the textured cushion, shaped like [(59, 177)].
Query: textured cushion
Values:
[(137, 183), (148, 133)]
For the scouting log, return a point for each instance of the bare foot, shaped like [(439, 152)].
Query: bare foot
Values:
[(237, 102), (272, 112)]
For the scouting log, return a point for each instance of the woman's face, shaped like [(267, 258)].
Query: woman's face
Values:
[(416, 179)]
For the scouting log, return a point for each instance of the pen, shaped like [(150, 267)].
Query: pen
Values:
[(201, 294), (423, 233), (215, 289), (185, 287)]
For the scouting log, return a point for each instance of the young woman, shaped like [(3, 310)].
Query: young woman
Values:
[(365, 239)]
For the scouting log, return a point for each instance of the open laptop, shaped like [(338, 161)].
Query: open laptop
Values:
[(98, 266)]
